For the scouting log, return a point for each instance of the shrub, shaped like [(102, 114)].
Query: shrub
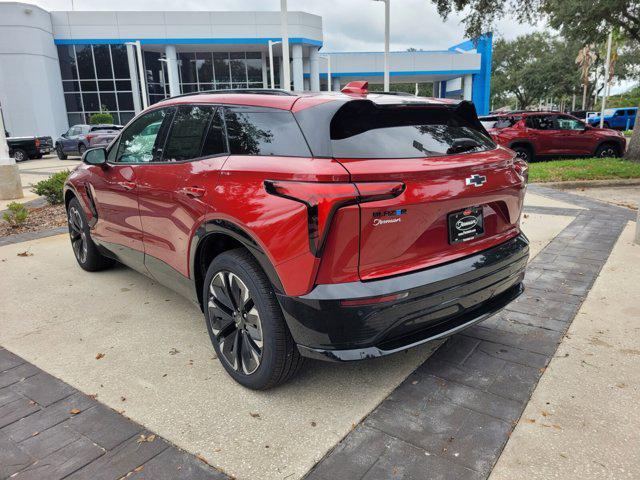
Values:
[(103, 117), (51, 188), (16, 215)]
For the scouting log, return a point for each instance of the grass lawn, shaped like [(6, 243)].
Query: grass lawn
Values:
[(582, 169)]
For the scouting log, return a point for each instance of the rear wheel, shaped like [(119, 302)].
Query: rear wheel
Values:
[(246, 324), (607, 150), (523, 152), (19, 155), (81, 149), (60, 152), (85, 251)]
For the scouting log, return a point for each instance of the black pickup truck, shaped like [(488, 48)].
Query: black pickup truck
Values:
[(24, 148)]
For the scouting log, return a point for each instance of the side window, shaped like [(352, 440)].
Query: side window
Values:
[(138, 142), (568, 123), (187, 133), (541, 122), (76, 131), (619, 113), (264, 133), (631, 113)]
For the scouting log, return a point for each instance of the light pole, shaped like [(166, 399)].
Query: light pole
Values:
[(141, 72), (606, 80), (328, 59), (286, 68), (386, 42), (271, 72)]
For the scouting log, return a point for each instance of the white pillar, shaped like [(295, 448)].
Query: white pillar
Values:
[(386, 44), (265, 80), (335, 84), (314, 69), (435, 89), (143, 75), (10, 182), (467, 82), (296, 67), (133, 76), (172, 70), (286, 78)]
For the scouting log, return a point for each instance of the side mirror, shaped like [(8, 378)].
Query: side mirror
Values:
[(64, 135), (95, 156)]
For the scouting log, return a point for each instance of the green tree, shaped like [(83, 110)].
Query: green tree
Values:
[(581, 21), (103, 117), (534, 67)]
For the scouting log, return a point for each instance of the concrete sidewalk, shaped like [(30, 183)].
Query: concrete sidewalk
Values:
[(583, 420)]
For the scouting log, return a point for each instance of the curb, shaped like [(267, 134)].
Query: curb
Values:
[(626, 182)]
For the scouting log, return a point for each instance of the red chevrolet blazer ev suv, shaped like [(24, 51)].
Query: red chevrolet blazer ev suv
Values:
[(335, 226)]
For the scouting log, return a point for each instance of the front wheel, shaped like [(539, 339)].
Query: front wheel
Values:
[(19, 155), (85, 251), (245, 323), (60, 152), (607, 150)]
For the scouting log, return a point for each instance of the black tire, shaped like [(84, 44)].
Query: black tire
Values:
[(60, 152), (85, 251), (19, 155), (524, 152), (605, 125), (256, 349), (607, 150), (81, 149)]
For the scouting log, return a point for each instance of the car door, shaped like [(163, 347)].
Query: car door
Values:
[(619, 119), (175, 190), (114, 188), (69, 142), (541, 131), (631, 118), (573, 137)]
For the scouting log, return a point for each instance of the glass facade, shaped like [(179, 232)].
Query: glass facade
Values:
[(96, 77)]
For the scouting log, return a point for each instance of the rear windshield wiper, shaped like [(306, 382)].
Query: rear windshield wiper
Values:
[(463, 145)]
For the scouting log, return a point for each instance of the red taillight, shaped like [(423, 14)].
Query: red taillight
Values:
[(356, 302), (323, 199), (37, 142), (89, 136), (522, 168)]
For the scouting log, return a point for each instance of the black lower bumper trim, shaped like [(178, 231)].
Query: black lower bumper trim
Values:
[(434, 302), (437, 332)]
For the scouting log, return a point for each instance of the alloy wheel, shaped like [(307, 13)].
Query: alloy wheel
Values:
[(18, 156), (522, 154), (235, 322), (608, 152), (78, 237)]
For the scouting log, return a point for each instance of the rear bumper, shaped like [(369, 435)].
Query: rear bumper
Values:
[(439, 302)]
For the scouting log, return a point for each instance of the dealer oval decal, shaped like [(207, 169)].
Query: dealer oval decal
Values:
[(466, 223)]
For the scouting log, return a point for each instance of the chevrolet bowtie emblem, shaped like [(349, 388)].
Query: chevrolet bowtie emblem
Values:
[(475, 180)]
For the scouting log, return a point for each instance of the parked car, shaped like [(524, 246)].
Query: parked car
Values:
[(541, 134), (616, 118), (79, 138), (24, 148), (332, 226)]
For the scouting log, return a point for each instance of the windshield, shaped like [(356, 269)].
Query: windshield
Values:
[(365, 130)]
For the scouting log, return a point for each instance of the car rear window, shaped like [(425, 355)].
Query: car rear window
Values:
[(264, 132), (365, 130)]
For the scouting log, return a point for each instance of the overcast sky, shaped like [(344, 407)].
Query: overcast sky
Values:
[(348, 25)]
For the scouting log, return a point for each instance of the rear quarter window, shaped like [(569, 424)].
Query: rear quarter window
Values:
[(264, 132)]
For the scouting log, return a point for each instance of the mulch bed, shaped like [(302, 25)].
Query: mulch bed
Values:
[(40, 218)]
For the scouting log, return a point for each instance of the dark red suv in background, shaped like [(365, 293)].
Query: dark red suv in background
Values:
[(331, 226), (544, 134)]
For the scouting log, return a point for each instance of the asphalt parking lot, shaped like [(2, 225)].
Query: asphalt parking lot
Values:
[(157, 366)]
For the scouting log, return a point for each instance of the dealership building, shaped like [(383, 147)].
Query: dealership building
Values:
[(59, 67)]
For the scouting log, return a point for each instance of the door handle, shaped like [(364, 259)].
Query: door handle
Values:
[(127, 185), (193, 192)]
